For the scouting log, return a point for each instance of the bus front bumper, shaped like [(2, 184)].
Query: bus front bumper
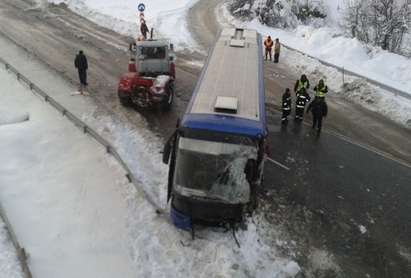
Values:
[(208, 212)]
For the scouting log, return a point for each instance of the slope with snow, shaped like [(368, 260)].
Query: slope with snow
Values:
[(61, 192), (328, 44)]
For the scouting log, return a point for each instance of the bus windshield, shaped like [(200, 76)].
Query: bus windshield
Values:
[(213, 170)]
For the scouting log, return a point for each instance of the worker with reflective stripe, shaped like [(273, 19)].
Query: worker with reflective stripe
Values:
[(321, 89), (302, 99), (286, 106), (268, 44), (301, 84)]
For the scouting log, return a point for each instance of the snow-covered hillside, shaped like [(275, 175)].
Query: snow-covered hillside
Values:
[(166, 17), (330, 44)]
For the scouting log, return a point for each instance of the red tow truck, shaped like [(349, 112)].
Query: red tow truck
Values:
[(150, 79)]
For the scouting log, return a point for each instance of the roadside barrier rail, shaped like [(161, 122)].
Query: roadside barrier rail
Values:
[(87, 130), (21, 253), (344, 72), (84, 127)]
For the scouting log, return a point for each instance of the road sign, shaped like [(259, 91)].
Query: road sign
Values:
[(141, 7)]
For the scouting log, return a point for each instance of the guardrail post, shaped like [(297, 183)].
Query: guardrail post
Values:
[(18, 76), (6, 66), (343, 75)]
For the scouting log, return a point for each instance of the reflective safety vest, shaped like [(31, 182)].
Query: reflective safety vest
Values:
[(321, 92), (302, 85), (302, 100)]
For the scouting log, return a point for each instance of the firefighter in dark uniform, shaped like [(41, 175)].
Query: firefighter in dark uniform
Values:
[(301, 84), (302, 99), (144, 29), (286, 106), (321, 89), (319, 109)]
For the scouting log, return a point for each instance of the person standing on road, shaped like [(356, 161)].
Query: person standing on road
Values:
[(277, 48), (302, 99), (268, 44), (321, 89), (319, 109), (144, 29), (301, 84), (81, 65), (286, 106)]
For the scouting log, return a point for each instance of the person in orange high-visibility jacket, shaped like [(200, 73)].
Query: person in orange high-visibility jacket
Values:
[(268, 44)]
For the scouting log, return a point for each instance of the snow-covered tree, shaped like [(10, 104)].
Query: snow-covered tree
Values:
[(279, 13), (382, 23)]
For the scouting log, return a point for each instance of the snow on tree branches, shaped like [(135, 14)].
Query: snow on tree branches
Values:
[(279, 13), (384, 23)]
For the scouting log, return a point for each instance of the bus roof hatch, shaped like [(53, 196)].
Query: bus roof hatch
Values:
[(226, 105)]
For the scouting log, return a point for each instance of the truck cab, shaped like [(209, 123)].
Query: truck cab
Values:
[(150, 79)]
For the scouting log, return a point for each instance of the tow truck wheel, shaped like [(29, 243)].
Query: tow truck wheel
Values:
[(166, 105), (125, 101)]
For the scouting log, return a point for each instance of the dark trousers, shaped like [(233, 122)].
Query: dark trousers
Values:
[(299, 113), (317, 121), (286, 113), (82, 74), (268, 52), (276, 57)]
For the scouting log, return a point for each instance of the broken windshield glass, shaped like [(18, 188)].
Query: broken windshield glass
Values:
[(213, 170)]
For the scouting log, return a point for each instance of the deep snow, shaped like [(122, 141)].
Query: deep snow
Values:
[(9, 264), (386, 67), (331, 44), (61, 192)]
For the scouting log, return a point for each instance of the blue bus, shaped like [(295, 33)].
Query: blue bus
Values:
[(216, 156)]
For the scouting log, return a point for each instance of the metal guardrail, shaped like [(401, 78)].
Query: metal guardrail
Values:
[(21, 253), (84, 127), (344, 71), (87, 130)]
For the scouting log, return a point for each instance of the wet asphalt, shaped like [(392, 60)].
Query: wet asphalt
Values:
[(358, 201)]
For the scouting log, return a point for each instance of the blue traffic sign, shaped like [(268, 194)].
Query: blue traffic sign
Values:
[(141, 7)]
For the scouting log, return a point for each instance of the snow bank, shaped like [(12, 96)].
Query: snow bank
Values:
[(12, 117), (61, 192), (329, 45), (9, 264), (166, 16)]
